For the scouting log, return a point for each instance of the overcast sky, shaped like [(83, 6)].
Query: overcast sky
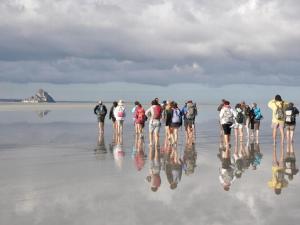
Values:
[(150, 41)]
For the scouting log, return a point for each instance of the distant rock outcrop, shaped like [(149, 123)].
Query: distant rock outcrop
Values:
[(40, 96)]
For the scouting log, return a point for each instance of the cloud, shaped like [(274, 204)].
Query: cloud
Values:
[(157, 42)]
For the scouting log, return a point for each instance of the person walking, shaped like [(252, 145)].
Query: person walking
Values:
[(100, 110), (154, 114), (140, 118), (226, 120), (175, 123), (255, 123), (290, 122), (278, 106), (119, 114), (112, 116)]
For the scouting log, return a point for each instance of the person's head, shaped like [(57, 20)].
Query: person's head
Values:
[(120, 103), (277, 191), (278, 98), (100, 102), (136, 103), (155, 181), (164, 102), (243, 103), (157, 100), (226, 187), (154, 102), (154, 189), (139, 105), (115, 104), (291, 104), (175, 105), (173, 185), (254, 105), (238, 106), (227, 103)]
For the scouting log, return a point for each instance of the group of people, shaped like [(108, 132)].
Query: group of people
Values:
[(167, 113), (241, 117)]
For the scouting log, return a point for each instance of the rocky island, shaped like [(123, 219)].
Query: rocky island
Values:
[(40, 97)]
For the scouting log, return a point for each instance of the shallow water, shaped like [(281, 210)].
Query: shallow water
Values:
[(54, 170)]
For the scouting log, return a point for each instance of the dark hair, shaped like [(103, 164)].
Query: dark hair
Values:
[(115, 104), (139, 105), (226, 102), (277, 191), (154, 189), (278, 98), (238, 105), (154, 102), (291, 104), (136, 103)]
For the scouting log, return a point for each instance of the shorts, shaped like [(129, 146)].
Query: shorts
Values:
[(154, 126), (277, 125), (101, 119), (175, 125), (120, 123), (238, 126), (226, 162), (290, 127), (227, 128), (256, 124), (188, 123)]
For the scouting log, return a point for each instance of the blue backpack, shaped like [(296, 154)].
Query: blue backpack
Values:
[(176, 118)]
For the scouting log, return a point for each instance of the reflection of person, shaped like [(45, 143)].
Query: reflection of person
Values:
[(118, 152), (226, 172), (112, 116), (154, 172), (278, 182), (174, 168), (189, 158), (226, 120), (139, 154), (101, 149), (290, 162)]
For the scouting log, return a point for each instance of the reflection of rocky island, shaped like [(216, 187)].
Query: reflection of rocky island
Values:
[(40, 96), (41, 114)]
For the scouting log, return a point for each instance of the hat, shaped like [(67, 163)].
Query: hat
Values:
[(100, 102), (120, 102)]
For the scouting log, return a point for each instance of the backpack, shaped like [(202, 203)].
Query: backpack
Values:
[(257, 114), (191, 111), (121, 112), (176, 118), (239, 117), (157, 111), (228, 116), (279, 113), (140, 115), (247, 111), (290, 116), (101, 110)]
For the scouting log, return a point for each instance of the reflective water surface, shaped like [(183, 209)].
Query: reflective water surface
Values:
[(57, 170)]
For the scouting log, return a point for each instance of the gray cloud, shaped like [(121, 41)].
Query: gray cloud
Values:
[(156, 42)]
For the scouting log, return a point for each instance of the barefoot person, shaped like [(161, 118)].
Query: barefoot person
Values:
[(226, 120), (290, 122), (154, 113), (119, 113), (278, 106), (100, 110)]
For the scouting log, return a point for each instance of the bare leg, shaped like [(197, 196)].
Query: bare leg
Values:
[(292, 136), (281, 129), (274, 135), (236, 134)]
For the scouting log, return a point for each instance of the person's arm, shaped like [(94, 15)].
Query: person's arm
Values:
[(105, 110), (96, 108), (296, 111), (220, 107), (271, 104), (221, 114), (148, 112)]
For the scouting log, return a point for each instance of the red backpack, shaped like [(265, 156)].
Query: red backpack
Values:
[(157, 111), (140, 114)]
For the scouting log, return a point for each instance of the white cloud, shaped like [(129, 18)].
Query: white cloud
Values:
[(222, 39)]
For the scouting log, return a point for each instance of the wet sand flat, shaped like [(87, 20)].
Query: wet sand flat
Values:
[(55, 169)]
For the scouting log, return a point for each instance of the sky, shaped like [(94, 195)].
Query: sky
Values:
[(154, 42)]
